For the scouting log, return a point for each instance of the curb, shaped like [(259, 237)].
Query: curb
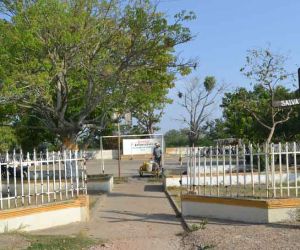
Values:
[(178, 212)]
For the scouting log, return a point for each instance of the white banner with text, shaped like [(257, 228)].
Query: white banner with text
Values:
[(139, 146)]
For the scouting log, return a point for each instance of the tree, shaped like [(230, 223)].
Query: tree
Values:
[(72, 63), (239, 122), (149, 117), (149, 113), (176, 138), (266, 70), (197, 100)]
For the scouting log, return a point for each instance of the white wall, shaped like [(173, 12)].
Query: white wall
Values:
[(44, 219), (227, 212), (238, 213), (107, 154), (174, 180), (101, 185)]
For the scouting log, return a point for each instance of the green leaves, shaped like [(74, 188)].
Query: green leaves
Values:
[(72, 62), (209, 83)]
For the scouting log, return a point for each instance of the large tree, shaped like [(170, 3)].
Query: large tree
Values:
[(72, 63)]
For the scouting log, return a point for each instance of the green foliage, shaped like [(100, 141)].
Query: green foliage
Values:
[(176, 138), (267, 73), (72, 63), (209, 83), (201, 225), (8, 139), (241, 124)]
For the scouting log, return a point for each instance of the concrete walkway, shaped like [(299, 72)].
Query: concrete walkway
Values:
[(137, 215)]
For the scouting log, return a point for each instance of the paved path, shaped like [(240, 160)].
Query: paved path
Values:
[(137, 215)]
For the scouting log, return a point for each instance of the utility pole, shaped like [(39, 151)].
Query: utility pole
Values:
[(119, 149), (299, 80)]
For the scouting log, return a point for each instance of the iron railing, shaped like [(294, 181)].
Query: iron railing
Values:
[(39, 178), (257, 171)]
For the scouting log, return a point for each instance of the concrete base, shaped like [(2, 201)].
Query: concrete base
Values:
[(174, 181), (45, 216), (103, 183), (253, 211)]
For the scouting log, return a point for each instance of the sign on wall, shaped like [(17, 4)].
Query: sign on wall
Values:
[(139, 146)]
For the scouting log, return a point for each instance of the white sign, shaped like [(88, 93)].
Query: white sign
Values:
[(139, 146), (286, 103)]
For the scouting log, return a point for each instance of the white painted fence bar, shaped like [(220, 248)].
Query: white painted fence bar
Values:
[(40, 177), (260, 171)]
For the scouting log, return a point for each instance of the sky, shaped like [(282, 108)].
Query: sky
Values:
[(224, 31)]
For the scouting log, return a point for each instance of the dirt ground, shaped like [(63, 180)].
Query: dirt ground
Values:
[(219, 234), (136, 215)]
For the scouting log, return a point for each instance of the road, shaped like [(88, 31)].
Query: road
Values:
[(129, 167)]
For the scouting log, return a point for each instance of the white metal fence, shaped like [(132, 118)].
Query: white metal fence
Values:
[(257, 171), (40, 178)]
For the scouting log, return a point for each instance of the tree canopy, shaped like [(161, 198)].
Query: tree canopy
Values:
[(70, 64)]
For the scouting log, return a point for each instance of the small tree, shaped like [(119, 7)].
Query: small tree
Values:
[(266, 70), (197, 100)]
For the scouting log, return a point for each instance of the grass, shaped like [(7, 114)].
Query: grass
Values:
[(201, 225), (49, 242), (155, 180), (239, 191), (120, 180), (205, 247)]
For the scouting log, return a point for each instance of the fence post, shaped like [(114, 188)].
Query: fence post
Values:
[(66, 179), (259, 169), (42, 177), (199, 163), (28, 177), (295, 169), (76, 169), (59, 174), (15, 177), (223, 158), (48, 180), (244, 166), (287, 168), (217, 168), (204, 187), (35, 185), (273, 170), (251, 167), (54, 170), (230, 170), (237, 169), (267, 167), (280, 167), (210, 170), (22, 177), (7, 179)]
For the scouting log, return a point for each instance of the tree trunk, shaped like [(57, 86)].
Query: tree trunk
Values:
[(271, 134), (69, 143)]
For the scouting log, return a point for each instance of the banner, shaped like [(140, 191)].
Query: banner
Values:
[(139, 146)]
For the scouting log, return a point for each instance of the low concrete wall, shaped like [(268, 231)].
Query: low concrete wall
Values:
[(253, 211), (45, 216), (177, 151), (234, 179), (107, 154), (104, 183)]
